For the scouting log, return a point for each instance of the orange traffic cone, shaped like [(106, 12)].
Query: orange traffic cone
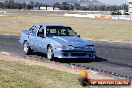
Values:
[(84, 73), (84, 80)]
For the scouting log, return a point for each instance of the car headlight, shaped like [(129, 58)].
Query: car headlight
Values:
[(70, 47), (89, 47), (64, 47), (67, 47)]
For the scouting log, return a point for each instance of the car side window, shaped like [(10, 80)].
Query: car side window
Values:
[(51, 32), (40, 32), (33, 31), (71, 32), (63, 32)]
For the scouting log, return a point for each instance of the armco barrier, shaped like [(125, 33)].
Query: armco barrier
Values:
[(99, 16), (122, 17)]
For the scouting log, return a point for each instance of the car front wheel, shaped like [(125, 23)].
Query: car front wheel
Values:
[(26, 48), (50, 54)]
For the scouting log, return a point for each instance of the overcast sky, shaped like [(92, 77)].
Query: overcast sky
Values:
[(118, 2)]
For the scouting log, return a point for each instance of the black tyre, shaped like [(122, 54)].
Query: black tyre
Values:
[(84, 82), (26, 48), (50, 54)]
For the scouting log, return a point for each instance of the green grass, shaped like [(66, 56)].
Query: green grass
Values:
[(21, 75), (16, 75), (89, 28)]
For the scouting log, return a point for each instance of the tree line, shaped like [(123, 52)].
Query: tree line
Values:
[(11, 4)]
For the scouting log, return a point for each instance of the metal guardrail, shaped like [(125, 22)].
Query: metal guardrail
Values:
[(2, 13), (121, 17), (114, 17)]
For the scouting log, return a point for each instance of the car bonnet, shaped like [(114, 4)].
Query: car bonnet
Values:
[(72, 40)]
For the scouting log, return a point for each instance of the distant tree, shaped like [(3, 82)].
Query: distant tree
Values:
[(29, 6), (57, 5), (114, 8), (103, 8), (32, 3), (64, 3), (95, 8), (1, 4), (37, 4), (6, 4), (19, 6), (84, 8), (108, 8), (24, 5), (11, 4), (64, 6), (77, 6), (41, 4), (89, 7)]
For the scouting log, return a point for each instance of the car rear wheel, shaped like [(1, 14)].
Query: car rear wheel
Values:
[(50, 54), (26, 48)]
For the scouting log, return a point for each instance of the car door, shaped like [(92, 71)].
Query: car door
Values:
[(41, 40), (32, 38)]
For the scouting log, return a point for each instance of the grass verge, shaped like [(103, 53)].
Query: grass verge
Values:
[(117, 30), (18, 74)]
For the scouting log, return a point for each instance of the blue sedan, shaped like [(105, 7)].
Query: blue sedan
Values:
[(56, 40)]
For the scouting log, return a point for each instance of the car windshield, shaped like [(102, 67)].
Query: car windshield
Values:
[(59, 31)]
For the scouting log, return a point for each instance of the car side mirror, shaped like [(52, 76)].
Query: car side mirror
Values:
[(78, 36), (43, 36)]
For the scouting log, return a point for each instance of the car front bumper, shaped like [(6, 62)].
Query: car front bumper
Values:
[(75, 54)]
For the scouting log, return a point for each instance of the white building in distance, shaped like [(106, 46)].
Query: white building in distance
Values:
[(130, 6)]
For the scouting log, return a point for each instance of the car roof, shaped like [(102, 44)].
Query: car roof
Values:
[(48, 25)]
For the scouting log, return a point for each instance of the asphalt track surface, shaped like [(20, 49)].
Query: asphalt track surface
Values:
[(112, 57)]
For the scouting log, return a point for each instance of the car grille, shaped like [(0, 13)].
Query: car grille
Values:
[(78, 54), (75, 51), (79, 47)]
